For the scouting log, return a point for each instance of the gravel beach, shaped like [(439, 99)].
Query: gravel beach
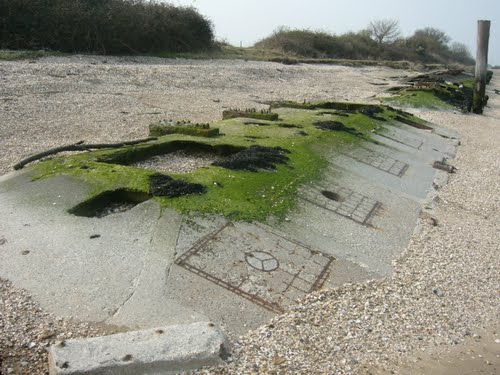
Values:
[(443, 299)]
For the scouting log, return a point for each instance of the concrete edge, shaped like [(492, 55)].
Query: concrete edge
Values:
[(164, 350)]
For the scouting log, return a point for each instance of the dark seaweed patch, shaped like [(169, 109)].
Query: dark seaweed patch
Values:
[(255, 158), (109, 203), (331, 125), (373, 112), (255, 137), (460, 97), (161, 185), (289, 126), (335, 126)]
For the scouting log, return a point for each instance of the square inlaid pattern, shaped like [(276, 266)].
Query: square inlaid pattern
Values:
[(342, 201), (379, 161), (258, 263)]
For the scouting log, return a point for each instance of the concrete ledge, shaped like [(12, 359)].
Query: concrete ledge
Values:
[(168, 350)]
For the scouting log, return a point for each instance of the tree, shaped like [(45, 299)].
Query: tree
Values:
[(431, 39), (460, 52), (384, 31)]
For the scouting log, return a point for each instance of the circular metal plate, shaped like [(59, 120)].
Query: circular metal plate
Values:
[(262, 261)]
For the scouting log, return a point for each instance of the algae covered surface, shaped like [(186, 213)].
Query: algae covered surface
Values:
[(439, 96), (278, 158)]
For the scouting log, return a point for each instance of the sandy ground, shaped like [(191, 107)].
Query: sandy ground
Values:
[(442, 302), (61, 100)]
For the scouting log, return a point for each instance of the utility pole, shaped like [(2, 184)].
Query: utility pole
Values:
[(483, 37)]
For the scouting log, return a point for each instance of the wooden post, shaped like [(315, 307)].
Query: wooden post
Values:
[(483, 37)]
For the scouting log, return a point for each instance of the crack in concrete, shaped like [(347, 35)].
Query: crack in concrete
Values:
[(136, 281), (169, 268)]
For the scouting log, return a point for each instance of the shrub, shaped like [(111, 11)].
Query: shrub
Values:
[(428, 45), (304, 43), (102, 26)]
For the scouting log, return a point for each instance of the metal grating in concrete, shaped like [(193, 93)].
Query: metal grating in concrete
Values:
[(379, 161), (257, 263), (350, 204)]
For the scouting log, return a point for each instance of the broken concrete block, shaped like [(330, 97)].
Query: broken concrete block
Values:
[(166, 350)]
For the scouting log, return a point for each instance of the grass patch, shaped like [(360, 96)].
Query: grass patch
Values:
[(238, 194)]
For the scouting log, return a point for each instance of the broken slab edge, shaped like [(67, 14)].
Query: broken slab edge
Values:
[(165, 350)]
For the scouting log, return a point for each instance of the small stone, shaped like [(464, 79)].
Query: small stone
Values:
[(25, 252), (10, 370), (45, 334), (438, 292)]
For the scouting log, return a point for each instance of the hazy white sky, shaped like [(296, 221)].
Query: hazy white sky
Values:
[(248, 21)]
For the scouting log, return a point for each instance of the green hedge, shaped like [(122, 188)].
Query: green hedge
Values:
[(103, 26)]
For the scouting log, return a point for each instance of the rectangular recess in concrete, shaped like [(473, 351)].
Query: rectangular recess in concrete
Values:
[(349, 203), (378, 160), (258, 264)]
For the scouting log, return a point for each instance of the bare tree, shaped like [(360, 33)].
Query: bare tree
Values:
[(383, 31)]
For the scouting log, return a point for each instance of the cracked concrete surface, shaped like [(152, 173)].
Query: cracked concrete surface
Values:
[(147, 305), (97, 279)]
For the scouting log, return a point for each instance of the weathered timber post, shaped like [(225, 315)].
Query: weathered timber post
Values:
[(483, 37)]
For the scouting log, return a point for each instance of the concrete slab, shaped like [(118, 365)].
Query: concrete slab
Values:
[(369, 226), (88, 268), (418, 139), (148, 267), (148, 304), (167, 350)]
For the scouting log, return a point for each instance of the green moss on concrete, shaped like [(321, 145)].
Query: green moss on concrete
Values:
[(238, 195), (262, 115), (418, 99), (158, 130), (440, 97)]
